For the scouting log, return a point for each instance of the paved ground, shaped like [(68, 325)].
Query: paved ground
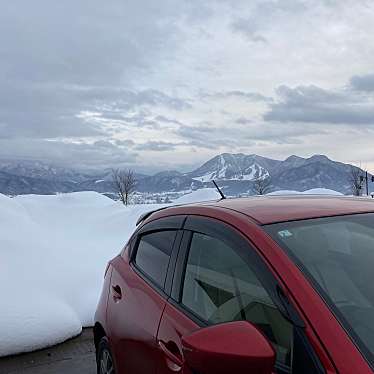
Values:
[(76, 356)]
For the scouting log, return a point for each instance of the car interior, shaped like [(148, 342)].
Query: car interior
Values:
[(219, 287)]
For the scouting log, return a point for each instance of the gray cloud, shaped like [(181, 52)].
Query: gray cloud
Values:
[(311, 104), (58, 59), (251, 96), (270, 8), (168, 120), (125, 143), (210, 136), (85, 42), (158, 146), (95, 84), (126, 99), (75, 155), (262, 15), (363, 82), (249, 29), (49, 112), (118, 116), (243, 121)]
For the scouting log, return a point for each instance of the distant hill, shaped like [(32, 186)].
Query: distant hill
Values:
[(235, 173)]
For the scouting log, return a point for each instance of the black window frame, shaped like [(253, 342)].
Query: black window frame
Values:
[(170, 223), (223, 231)]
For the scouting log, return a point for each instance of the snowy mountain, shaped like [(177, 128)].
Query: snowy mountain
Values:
[(229, 166), (39, 169), (235, 173)]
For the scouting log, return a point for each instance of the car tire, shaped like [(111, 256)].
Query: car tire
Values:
[(104, 358)]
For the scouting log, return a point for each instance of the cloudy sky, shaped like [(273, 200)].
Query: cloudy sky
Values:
[(168, 84)]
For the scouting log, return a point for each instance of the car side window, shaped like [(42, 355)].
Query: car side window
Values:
[(220, 286), (153, 255)]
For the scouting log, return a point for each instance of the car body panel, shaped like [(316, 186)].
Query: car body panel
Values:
[(173, 326), (331, 337), (101, 310), (134, 320), (149, 313), (272, 209)]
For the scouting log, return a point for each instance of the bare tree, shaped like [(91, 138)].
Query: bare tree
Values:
[(124, 182), (261, 186), (356, 180)]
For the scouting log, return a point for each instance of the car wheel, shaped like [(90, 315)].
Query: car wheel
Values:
[(105, 362)]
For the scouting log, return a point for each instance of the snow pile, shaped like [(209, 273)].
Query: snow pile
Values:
[(53, 252), (204, 194), (283, 193), (322, 191), (313, 191)]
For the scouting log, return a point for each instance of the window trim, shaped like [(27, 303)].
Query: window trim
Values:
[(159, 224), (180, 267), (170, 223)]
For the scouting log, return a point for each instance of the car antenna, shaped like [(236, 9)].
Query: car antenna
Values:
[(219, 190)]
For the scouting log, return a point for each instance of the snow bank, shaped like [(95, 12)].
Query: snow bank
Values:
[(313, 191), (53, 252), (204, 194), (284, 192), (322, 191)]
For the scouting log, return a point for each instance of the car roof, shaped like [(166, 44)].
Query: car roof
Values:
[(272, 209)]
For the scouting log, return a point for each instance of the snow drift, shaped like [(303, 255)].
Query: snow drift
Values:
[(53, 252), (313, 191)]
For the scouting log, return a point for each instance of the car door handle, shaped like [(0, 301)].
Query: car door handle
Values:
[(175, 363), (117, 292)]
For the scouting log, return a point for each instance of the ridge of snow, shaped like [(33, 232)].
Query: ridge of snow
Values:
[(313, 191)]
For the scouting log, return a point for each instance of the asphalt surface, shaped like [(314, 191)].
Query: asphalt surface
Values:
[(75, 356)]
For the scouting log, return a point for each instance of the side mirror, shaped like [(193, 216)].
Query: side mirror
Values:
[(234, 347)]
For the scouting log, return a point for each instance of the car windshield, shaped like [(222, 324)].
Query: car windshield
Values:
[(337, 255)]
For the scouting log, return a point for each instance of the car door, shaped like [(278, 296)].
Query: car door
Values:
[(140, 284), (218, 278)]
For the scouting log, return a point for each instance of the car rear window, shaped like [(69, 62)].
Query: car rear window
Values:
[(153, 255)]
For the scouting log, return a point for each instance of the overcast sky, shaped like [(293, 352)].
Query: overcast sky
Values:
[(168, 84)]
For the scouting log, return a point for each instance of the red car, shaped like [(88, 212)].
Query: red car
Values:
[(259, 285)]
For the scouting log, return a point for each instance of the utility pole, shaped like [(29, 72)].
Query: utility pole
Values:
[(366, 178)]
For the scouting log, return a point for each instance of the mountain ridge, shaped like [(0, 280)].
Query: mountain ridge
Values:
[(234, 172)]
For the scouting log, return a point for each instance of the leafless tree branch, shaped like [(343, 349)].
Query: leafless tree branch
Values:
[(124, 182), (355, 179), (261, 186)]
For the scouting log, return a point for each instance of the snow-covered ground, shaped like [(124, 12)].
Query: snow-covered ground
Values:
[(53, 252)]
